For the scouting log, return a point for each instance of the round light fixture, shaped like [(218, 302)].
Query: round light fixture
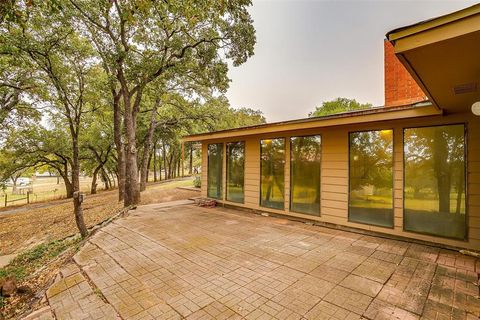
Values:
[(476, 108)]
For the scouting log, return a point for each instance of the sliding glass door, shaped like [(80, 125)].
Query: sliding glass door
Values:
[(434, 191), (272, 187), (235, 171), (214, 172)]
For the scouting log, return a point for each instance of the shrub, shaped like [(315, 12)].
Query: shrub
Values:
[(197, 182)]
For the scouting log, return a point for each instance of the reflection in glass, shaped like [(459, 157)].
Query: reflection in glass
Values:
[(371, 177), (435, 180), (305, 174), (214, 172), (235, 171), (272, 189)]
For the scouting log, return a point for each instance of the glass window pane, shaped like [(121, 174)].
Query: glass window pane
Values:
[(305, 174), (235, 171), (272, 188), (215, 163), (371, 177), (435, 180)]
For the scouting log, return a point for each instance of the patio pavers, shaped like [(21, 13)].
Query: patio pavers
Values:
[(186, 262), (71, 297)]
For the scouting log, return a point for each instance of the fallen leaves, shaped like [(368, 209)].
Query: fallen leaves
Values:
[(26, 228)]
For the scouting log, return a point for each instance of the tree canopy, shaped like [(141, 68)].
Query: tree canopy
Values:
[(107, 88), (338, 105)]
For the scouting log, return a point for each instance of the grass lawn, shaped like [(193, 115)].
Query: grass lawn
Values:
[(34, 270), (44, 189)]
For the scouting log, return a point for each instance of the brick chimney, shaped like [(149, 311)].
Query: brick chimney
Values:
[(400, 88)]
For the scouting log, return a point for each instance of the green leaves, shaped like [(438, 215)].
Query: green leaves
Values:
[(72, 61), (338, 105)]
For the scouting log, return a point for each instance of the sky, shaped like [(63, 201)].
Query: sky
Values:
[(312, 51)]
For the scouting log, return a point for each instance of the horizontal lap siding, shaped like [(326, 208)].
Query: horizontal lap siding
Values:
[(473, 179), (334, 175)]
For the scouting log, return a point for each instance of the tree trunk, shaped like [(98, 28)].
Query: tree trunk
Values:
[(159, 170), (132, 190), (117, 136), (442, 171), (114, 175), (147, 149), (164, 162), (460, 189), (67, 182), (106, 178), (93, 188), (77, 204), (14, 181), (155, 162), (170, 166), (179, 166), (149, 166), (68, 188)]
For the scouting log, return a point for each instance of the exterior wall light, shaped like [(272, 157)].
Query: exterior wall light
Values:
[(476, 108)]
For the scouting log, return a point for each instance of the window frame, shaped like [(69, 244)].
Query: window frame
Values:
[(260, 176), (393, 178), (221, 197), (465, 172), (226, 168), (319, 177)]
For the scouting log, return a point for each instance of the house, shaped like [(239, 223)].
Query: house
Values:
[(408, 169)]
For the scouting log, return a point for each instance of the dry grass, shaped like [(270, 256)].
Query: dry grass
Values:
[(35, 270), (27, 228)]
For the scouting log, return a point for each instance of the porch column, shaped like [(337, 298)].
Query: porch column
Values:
[(183, 158)]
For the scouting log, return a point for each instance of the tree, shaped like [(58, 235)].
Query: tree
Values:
[(371, 159), (97, 144), (14, 10), (35, 146), (140, 41), (434, 163), (65, 69), (338, 105), (15, 81), (244, 117), (12, 167)]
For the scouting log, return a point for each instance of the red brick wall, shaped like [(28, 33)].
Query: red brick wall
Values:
[(400, 88)]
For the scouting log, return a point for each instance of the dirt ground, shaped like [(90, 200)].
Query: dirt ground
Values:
[(26, 228)]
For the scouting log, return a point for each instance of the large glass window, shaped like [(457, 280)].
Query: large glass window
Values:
[(434, 192), (235, 171), (215, 167), (305, 153), (371, 177), (272, 188)]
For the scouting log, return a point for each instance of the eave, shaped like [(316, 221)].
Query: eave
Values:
[(441, 54), (347, 118)]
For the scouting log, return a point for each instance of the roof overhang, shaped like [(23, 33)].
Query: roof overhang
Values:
[(443, 56), (347, 118)]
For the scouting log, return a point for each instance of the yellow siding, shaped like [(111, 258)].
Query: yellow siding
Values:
[(334, 174)]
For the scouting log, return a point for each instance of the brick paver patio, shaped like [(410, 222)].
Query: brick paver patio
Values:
[(196, 263)]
